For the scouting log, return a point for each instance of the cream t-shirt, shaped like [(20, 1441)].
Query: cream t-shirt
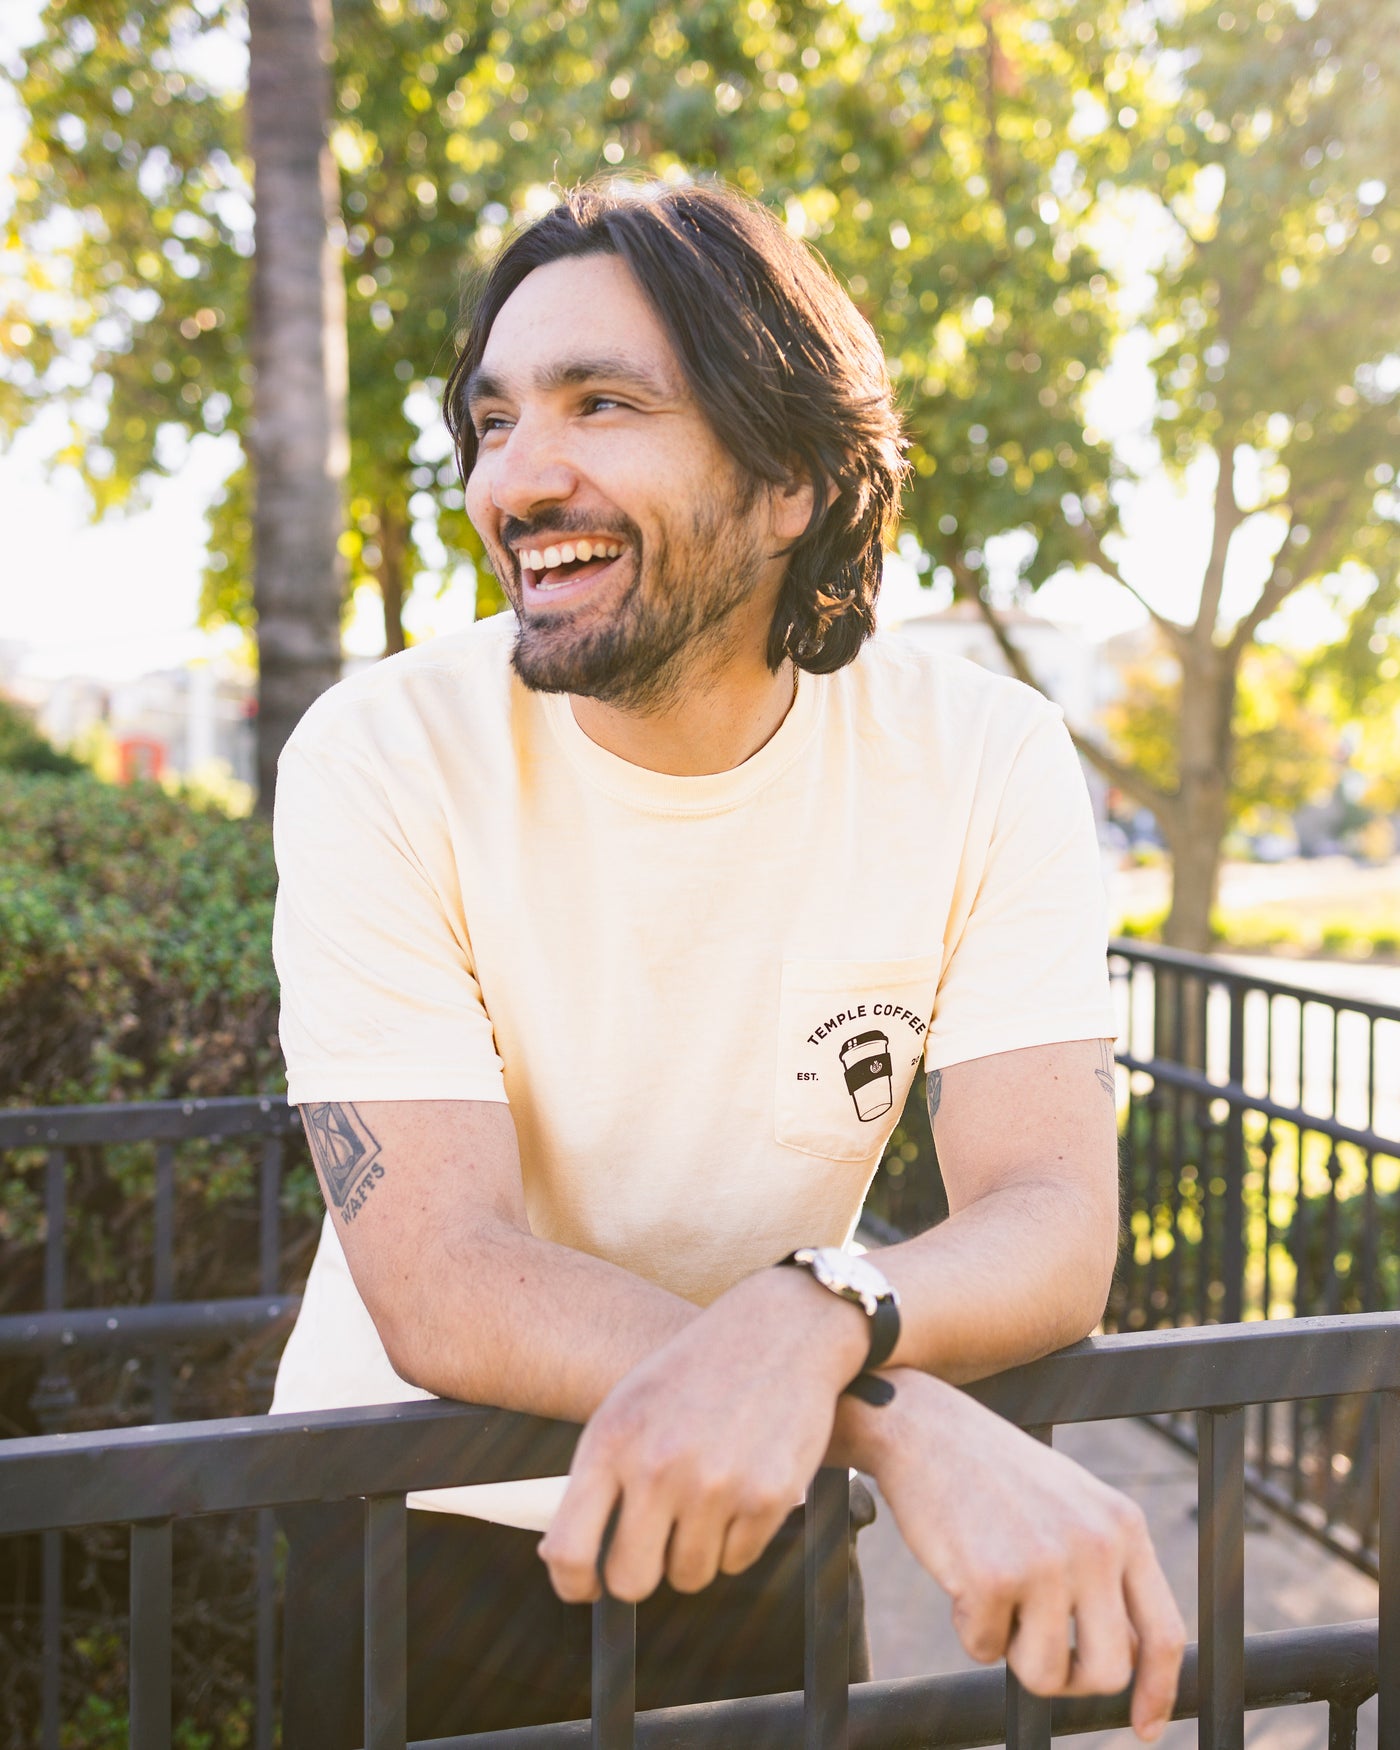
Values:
[(704, 998)]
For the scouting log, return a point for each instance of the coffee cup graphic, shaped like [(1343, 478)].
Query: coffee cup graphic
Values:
[(866, 1061)]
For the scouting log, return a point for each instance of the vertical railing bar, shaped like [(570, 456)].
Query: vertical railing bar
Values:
[(51, 1594), (1027, 1715), (1232, 1262), (265, 1634), (614, 1698), (386, 1623), (55, 1228), (1388, 1628), (51, 1387), (162, 1401), (270, 1215), (1221, 1579), (827, 1643), (1341, 1725), (151, 1573)]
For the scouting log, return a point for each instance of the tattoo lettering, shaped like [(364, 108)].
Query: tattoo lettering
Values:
[(933, 1083), (346, 1153), (1104, 1074)]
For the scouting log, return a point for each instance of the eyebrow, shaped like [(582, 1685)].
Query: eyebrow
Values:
[(484, 385)]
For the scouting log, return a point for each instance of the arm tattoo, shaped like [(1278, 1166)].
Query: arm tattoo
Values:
[(346, 1153), (933, 1084), (1104, 1073)]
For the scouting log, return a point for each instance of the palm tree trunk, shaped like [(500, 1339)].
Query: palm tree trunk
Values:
[(299, 446), (393, 545)]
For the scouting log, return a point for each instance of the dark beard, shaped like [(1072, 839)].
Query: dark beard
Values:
[(665, 628)]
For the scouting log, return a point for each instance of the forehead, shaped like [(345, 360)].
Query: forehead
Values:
[(586, 306)]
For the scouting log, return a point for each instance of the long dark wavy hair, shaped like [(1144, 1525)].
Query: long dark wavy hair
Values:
[(788, 372)]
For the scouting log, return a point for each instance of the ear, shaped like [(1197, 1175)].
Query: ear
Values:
[(791, 505)]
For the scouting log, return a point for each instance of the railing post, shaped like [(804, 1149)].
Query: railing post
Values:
[(614, 1699), (827, 1646), (386, 1623), (1388, 1636), (1027, 1715), (151, 1573), (1221, 1579), (163, 1285), (51, 1401), (1232, 1247), (1341, 1725)]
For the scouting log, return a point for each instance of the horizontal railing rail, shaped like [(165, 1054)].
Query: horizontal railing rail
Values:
[(149, 1477), (58, 1334)]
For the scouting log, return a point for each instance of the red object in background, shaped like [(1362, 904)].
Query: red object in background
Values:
[(138, 756)]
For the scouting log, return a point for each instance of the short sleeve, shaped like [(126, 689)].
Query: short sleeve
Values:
[(380, 999), (1025, 962)]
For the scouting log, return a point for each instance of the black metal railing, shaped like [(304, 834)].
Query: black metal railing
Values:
[(147, 1478), (1261, 1179), (62, 1338)]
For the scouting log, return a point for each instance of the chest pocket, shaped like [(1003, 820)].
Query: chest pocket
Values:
[(850, 1035)]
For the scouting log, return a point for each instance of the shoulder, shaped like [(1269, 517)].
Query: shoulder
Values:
[(386, 711), (903, 692)]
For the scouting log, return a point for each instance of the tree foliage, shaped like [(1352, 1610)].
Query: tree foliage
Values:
[(964, 166)]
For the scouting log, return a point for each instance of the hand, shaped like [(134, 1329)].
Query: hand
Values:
[(1046, 1566), (706, 1446)]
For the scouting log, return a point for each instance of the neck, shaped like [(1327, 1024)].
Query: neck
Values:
[(710, 727)]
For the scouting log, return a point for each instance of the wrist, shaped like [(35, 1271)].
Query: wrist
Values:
[(830, 1335)]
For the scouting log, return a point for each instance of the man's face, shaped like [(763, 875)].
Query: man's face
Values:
[(633, 550)]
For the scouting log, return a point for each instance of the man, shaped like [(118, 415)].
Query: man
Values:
[(611, 938)]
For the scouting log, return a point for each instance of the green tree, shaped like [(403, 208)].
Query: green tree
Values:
[(1269, 141)]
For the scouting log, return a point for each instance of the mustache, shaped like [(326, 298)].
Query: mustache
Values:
[(514, 530)]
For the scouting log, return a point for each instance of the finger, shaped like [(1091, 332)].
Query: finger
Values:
[(984, 1619), (1039, 1651), (1103, 1642), (636, 1559), (570, 1548), (1161, 1641), (749, 1534), (696, 1548)]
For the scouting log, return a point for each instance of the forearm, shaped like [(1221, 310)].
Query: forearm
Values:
[(1020, 1272), (517, 1321)]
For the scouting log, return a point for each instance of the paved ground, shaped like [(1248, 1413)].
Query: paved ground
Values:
[(1290, 1582)]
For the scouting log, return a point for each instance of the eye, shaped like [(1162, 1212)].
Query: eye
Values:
[(489, 423), (601, 403)]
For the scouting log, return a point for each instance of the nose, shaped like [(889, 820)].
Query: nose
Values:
[(529, 470)]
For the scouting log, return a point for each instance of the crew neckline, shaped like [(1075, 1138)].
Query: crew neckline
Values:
[(708, 793)]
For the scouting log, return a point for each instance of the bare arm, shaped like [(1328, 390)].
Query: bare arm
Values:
[(1028, 1145), (468, 1303)]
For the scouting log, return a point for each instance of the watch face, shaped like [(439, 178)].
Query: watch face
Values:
[(848, 1272)]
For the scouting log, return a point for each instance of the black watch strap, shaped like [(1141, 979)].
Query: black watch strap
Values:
[(884, 1321), (884, 1332)]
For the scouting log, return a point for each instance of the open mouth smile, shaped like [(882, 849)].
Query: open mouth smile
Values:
[(565, 567)]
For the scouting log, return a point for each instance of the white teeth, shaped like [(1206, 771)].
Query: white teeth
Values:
[(566, 553), (533, 559), (551, 558), (584, 550)]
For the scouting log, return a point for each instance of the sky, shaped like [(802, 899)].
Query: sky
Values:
[(120, 598)]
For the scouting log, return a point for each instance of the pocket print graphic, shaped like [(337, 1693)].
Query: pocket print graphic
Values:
[(851, 1034)]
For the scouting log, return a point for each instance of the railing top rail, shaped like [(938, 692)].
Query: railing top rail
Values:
[(1216, 971), (220, 1466), (146, 1121)]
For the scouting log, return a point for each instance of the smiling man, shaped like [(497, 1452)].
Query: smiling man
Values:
[(612, 935)]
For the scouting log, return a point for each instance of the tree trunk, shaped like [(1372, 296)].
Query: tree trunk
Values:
[(299, 447), (393, 547), (1200, 810)]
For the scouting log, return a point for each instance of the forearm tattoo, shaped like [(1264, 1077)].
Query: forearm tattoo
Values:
[(347, 1156), (933, 1082), (1104, 1074)]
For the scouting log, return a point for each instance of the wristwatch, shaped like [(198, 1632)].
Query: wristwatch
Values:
[(856, 1279)]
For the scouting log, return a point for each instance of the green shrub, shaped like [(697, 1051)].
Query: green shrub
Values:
[(135, 962), (23, 749)]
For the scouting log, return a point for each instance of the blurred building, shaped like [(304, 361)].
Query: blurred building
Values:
[(177, 722)]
